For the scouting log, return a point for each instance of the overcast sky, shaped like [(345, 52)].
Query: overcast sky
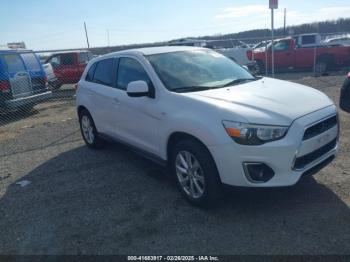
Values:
[(55, 24)]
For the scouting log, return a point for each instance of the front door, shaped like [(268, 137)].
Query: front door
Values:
[(284, 56), (138, 118)]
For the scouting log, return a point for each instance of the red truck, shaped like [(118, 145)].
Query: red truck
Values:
[(69, 66), (290, 56)]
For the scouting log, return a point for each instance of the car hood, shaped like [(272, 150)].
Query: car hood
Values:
[(267, 101)]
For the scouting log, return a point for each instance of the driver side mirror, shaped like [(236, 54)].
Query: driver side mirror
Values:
[(139, 89)]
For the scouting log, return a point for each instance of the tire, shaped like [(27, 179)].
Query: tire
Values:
[(260, 67), (321, 67), (88, 130), (201, 185)]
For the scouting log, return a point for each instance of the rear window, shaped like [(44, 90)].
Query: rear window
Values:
[(14, 63), (104, 72), (31, 61), (67, 59)]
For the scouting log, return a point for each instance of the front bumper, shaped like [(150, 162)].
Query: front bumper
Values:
[(279, 155), (29, 100)]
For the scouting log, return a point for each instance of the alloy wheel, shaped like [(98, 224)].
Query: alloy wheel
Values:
[(190, 174)]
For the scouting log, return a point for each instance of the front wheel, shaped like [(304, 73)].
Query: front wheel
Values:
[(196, 173)]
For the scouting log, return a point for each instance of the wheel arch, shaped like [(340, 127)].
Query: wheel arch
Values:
[(176, 137)]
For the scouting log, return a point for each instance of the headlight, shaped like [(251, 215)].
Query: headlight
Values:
[(248, 134)]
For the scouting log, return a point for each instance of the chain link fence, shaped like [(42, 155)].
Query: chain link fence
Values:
[(29, 79)]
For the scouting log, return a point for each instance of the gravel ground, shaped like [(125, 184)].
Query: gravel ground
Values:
[(59, 197)]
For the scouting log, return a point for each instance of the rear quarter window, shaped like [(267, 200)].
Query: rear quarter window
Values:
[(14, 63), (31, 61), (90, 73)]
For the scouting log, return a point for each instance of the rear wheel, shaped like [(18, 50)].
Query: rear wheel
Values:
[(88, 130), (196, 173), (321, 66)]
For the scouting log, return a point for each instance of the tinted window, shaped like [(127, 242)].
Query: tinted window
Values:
[(90, 74), (130, 70), (67, 59), (14, 63), (31, 61), (281, 46), (104, 72), (308, 39)]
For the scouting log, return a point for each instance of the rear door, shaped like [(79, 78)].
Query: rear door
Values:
[(35, 70), (20, 79), (100, 83)]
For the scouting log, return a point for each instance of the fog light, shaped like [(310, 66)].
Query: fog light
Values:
[(258, 172)]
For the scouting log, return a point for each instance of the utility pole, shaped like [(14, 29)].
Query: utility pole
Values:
[(86, 34), (108, 42), (272, 44), (273, 4), (285, 22)]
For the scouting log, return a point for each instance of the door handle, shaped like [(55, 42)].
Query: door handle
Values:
[(116, 100)]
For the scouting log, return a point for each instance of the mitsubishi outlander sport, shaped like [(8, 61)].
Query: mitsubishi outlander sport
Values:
[(207, 118)]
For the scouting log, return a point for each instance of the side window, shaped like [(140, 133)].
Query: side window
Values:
[(90, 74), (130, 70), (55, 61), (308, 39), (281, 46), (14, 63), (67, 59), (104, 72), (31, 61)]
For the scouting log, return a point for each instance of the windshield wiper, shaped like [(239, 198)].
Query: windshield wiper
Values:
[(239, 81), (191, 88)]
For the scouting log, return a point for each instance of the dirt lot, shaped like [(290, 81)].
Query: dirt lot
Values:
[(58, 197)]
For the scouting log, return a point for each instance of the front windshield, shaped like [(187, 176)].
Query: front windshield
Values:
[(205, 69)]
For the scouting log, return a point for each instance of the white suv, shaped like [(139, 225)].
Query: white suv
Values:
[(207, 118)]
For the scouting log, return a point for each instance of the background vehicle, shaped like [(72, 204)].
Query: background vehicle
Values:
[(239, 55), (345, 95), (51, 77), (23, 80), (289, 56), (340, 40), (69, 66), (308, 40), (207, 118)]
